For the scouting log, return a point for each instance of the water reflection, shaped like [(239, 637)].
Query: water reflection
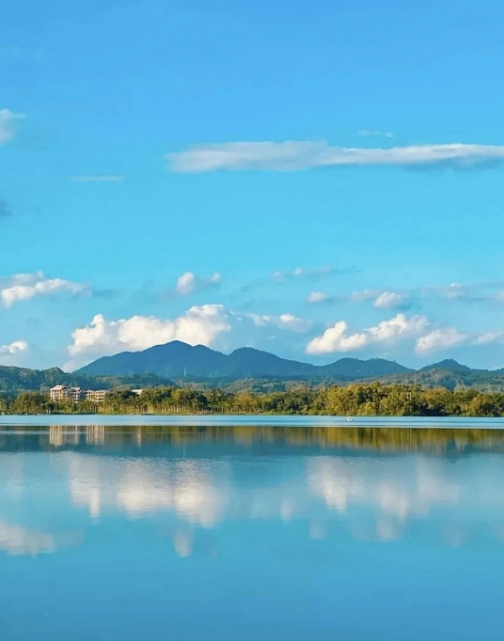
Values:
[(17, 540), (399, 439), (140, 487), (368, 484), (240, 532)]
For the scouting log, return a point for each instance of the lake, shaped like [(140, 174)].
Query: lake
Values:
[(236, 529)]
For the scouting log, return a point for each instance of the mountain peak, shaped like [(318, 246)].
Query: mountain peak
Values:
[(447, 363), (176, 359)]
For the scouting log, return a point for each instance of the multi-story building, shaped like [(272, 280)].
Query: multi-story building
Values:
[(96, 395), (59, 393), (76, 394)]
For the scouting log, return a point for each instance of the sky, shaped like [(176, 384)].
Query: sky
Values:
[(319, 180)]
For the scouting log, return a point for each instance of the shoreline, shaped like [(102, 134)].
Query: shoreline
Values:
[(251, 420)]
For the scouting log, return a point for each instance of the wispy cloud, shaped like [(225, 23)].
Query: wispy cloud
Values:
[(381, 299), (491, 293), (449, 337), (9, 124), (389, 300), (189, 283), (301, 272), (284, 321), (440, 339), (298, 155), (281, 277), (316, 296), (99, 178), (23, 287), (15, 348), (367, 133)]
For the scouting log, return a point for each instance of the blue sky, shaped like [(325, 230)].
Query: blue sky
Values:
[(130, 156)]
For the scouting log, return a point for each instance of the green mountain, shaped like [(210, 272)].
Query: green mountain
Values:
[(177, 359), (15, 379), (447, 364), (180, 365)]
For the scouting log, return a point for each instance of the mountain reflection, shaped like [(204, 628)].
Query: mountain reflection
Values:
[(368, 484), (397, 439)]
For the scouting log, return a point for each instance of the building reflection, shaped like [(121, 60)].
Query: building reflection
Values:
[(434, 440), (60, 435), (367, 484)]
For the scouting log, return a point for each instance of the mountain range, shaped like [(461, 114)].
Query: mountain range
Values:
[(199, 367), (178, 359), (249, 368)]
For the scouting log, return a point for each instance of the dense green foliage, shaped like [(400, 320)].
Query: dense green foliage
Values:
[(15, 379), (372, 399), (245, 370)]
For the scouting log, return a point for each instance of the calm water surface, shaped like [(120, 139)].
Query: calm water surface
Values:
[(238, 532)]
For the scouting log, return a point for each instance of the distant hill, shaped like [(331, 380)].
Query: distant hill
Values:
[(16, 379), (171, 359), (242, 372), (180, 365), (447, 364), (177, 359), (356, 368)]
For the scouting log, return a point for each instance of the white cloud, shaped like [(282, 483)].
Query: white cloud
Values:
[(188, 283), (297, 155), (281, 277), (366, 133), (447, 337), (14, 349), (336, 338), (198, 326), (387, 300), (316, 297), (284, 321), (488, 337), (440, 339), (26, 286), (366, 294), (381, 299), (8, 125), (98, 178), (455, 290), (300, 272)]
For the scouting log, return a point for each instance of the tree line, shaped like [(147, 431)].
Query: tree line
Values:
[(373, 399)]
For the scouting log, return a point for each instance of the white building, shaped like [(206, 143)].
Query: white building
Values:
[(62, 392), (96, 395)]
